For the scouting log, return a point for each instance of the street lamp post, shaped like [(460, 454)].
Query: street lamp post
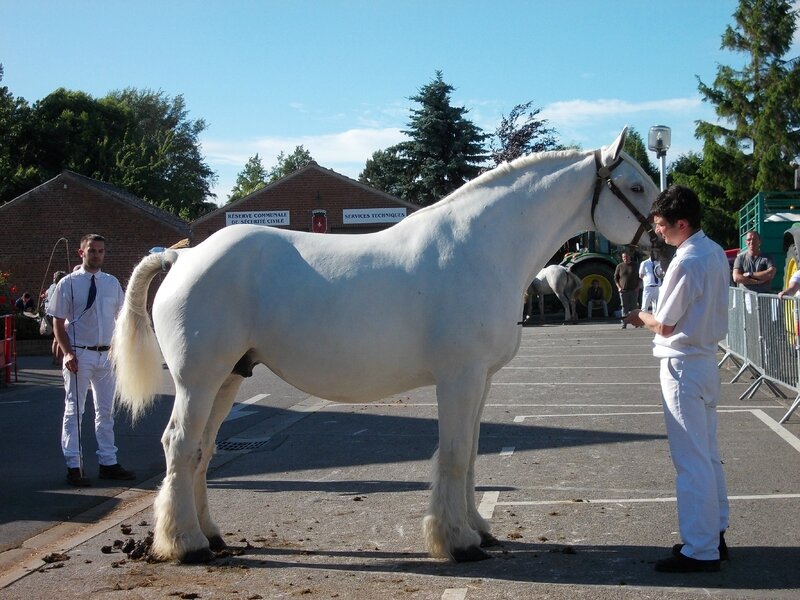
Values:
[(658, 140)]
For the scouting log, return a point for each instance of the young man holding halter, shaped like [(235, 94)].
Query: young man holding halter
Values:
[(84, 306), (691, 318)]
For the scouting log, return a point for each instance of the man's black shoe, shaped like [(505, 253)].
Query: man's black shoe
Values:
[(116, 472), (684, 564), (723, 547), (75, 478)]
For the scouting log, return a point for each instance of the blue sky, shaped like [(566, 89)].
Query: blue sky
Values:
[(335, 76)]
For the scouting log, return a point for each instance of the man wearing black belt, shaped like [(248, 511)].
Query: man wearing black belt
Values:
[(84, 306)]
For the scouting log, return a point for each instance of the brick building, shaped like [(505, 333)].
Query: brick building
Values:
[(310, 199), (69, 206)]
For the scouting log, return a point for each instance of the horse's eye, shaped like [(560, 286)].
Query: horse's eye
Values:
[(637, 188)]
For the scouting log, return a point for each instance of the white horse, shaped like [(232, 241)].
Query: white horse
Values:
[(557, 280), (433, 300)]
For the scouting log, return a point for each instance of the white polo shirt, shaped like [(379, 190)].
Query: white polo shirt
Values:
[(694, 298), (93, 327)]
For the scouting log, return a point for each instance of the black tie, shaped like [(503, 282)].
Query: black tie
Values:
[(92, 294)]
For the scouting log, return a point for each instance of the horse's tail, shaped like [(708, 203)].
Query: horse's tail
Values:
[(135, 354), (574, 285)]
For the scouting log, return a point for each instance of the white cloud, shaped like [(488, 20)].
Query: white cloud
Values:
[(573, 113)]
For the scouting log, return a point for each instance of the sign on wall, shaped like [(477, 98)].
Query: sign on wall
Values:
[(351, 216), (272, 218)]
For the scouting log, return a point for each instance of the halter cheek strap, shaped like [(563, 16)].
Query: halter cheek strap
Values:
[(604, 177)]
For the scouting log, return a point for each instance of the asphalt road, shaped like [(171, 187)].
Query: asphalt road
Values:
[(322, 500)]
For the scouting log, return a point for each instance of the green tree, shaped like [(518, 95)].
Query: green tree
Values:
[(634, 145), (444, 150), (752, 147), (14, 116), (521, 133), (718, 223), (252, 178), (287, 165), (387, 170), (159, 158)]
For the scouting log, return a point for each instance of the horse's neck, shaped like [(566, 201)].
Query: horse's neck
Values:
[(532, 212)]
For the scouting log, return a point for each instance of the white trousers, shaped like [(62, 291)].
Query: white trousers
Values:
[(94, 369), (691, 388), (650, 297)]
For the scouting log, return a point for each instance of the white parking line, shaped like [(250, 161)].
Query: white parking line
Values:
[(488, 502), (778, 428), (237, 411), (507, 450), (582, 368), (454, 594)]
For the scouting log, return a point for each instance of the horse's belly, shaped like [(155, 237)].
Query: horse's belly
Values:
[(353, 383)]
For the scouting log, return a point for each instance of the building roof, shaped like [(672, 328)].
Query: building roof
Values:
[(114, 192), (311, 166)]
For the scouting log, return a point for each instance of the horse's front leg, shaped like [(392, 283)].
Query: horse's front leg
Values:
[(447, 527), (220, 409), (476, 521)]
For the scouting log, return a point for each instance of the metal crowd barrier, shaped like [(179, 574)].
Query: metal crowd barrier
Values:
[(763, 340)]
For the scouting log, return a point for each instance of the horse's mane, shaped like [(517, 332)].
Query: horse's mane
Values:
[(501, 171)]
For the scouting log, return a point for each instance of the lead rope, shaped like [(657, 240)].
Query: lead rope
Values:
[(73, 323)]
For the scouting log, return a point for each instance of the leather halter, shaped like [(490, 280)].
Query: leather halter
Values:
[(604, 176)]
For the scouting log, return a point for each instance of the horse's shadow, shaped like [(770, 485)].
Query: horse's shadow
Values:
[(515, 561)]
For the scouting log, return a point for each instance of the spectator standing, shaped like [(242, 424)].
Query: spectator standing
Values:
[(626, 277), (753, 270), (691, 319), (84, 306), (650, 284)]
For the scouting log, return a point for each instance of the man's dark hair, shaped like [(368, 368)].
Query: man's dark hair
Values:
[(678, 202), (91, 237)]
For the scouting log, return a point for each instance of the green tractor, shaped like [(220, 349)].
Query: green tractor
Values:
[(591, 256)]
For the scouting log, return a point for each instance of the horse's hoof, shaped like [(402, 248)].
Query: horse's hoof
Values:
[(471, 554), (193, 557), (488, 540), (216, 543)]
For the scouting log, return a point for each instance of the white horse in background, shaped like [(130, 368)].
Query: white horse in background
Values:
[(433, 300), (557, 280)]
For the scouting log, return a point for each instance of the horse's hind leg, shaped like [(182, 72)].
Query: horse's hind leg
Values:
[(447, 528), (220, 409), (177, 533)]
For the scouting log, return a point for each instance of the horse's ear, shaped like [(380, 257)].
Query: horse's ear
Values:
[(611, 153)]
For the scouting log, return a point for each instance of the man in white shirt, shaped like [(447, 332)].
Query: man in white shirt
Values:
[(84, 306), (692, 317), (650, 284)]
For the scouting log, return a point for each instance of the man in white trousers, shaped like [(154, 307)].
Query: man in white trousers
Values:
[(650, 284), (84, 306), (692, 317)]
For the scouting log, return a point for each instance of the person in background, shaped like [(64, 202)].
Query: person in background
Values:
[(55, 350), (595, 296), (753, 270), (691, 319), (84, 306), (626, 276), (794, 286), (25, 303), (650, 284)]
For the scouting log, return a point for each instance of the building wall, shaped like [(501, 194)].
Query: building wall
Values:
[(311, 188), (31, 226)]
